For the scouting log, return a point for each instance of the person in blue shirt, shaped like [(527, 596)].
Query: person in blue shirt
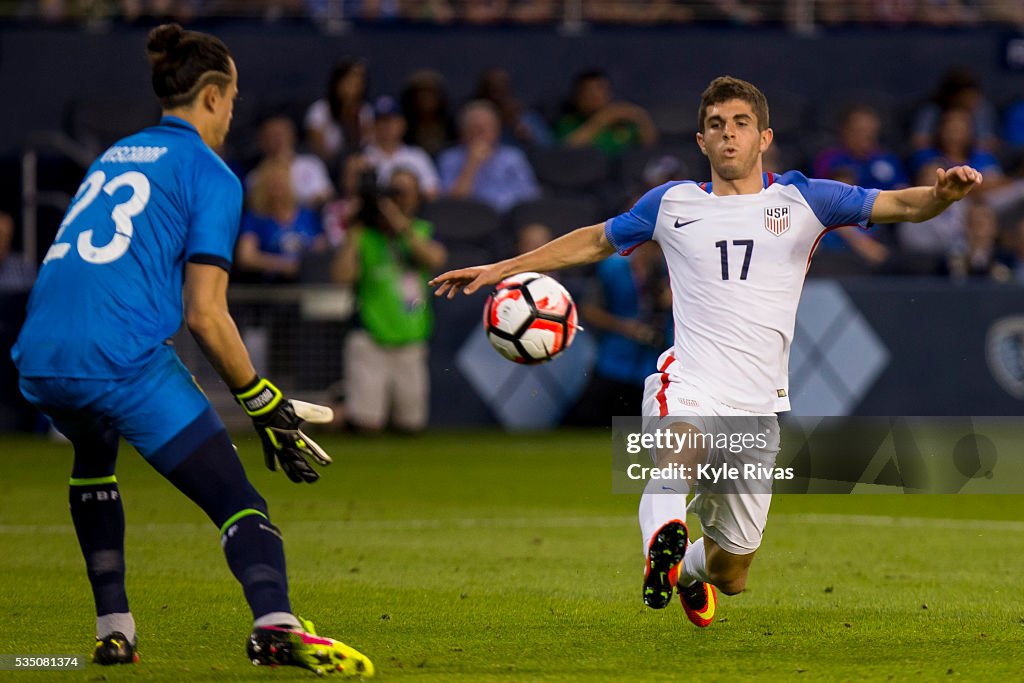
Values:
[(955, 143), (629, 307), (481, 167), (148, 240), (860, 153), (276, 231)]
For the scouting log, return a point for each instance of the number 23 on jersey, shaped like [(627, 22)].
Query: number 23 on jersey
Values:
[(122, 215)]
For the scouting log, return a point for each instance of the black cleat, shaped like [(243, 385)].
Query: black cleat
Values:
[(114, 648), (663, 557)]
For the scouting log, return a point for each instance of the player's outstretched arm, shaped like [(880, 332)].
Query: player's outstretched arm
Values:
[(579, 247), (277, 419), (916, 204)]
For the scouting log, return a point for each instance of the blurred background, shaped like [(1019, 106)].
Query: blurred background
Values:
[(481, 128)]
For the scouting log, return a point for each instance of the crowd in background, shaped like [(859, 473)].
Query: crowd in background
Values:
[(343, 189), (393, 155), (799, 14), (311, 177)]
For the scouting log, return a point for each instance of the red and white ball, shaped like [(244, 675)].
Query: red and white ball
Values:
[(530, 318)]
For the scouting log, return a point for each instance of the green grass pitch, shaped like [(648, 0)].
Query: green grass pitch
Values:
[(483, 556)]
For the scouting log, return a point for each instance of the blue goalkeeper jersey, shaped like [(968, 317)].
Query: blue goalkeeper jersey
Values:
[(109, 292)]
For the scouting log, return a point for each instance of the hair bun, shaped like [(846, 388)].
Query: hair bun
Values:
[(162, 40)]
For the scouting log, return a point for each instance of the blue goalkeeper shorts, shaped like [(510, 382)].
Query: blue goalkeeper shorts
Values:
[(160, 411)]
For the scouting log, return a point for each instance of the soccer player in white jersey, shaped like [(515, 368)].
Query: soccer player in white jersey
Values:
[(737, 250)]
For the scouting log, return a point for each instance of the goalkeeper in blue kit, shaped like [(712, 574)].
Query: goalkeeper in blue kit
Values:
[(147, 240)]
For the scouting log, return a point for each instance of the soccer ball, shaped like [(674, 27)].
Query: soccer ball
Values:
[(530, 318)]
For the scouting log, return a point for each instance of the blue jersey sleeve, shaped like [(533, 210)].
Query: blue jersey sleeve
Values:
[(834, 203), (216, 211), (629, 230)]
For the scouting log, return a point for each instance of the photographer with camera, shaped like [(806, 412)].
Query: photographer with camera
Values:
[(388, 257)]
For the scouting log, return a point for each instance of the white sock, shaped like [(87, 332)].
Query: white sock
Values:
[(118, 621), (277, 619), (661, 502), (694, 564)]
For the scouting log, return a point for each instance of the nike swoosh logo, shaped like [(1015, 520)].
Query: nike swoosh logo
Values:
[(681, 224)]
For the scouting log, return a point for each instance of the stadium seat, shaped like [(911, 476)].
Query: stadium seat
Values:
[(561, 214), (465, 221), (570, 170), (470, 230), (465, 255), (676, 121), (634, 161)]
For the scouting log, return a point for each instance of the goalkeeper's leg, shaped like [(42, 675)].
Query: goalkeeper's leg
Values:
[(208, 471), (201, 463), (98, 516)]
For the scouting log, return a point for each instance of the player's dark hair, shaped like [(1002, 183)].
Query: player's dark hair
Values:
[(726, 88), (184, 62)]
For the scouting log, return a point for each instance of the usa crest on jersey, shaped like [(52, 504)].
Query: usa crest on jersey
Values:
[(776, 219)]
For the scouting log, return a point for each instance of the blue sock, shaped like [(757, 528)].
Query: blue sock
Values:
[(98, 516), (255, 553), (213, 477)]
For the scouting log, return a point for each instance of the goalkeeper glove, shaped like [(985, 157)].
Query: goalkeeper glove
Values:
[(277, 421)]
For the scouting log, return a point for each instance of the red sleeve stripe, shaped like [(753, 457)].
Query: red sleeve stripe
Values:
[(814, 247)]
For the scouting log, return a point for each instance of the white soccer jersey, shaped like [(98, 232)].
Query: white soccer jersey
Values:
[(737, 265)]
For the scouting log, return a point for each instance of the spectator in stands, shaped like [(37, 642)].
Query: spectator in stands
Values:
[(1013, 124), (980, 256), (532, 236), (859, 153), (593, 118), (532, 11), (519, 125), (388, 153), (429, 11), (629, 308), (959, 89), (637, 12), (955, 144), (425, 105), (16, 274), (945, 13), (276, 231), (484, 11), (341, 121), (483, 169), (311, 183), (339, 214), (937, 237), (388, 257)]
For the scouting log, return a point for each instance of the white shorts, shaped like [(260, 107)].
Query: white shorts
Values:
[(735, 521), (383, 383)]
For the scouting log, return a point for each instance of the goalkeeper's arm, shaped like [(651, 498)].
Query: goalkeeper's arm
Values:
[(277, 420)]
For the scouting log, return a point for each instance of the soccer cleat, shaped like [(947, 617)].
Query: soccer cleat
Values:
[(699, 601), (287, 646), (663, 558), (114, 648)]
